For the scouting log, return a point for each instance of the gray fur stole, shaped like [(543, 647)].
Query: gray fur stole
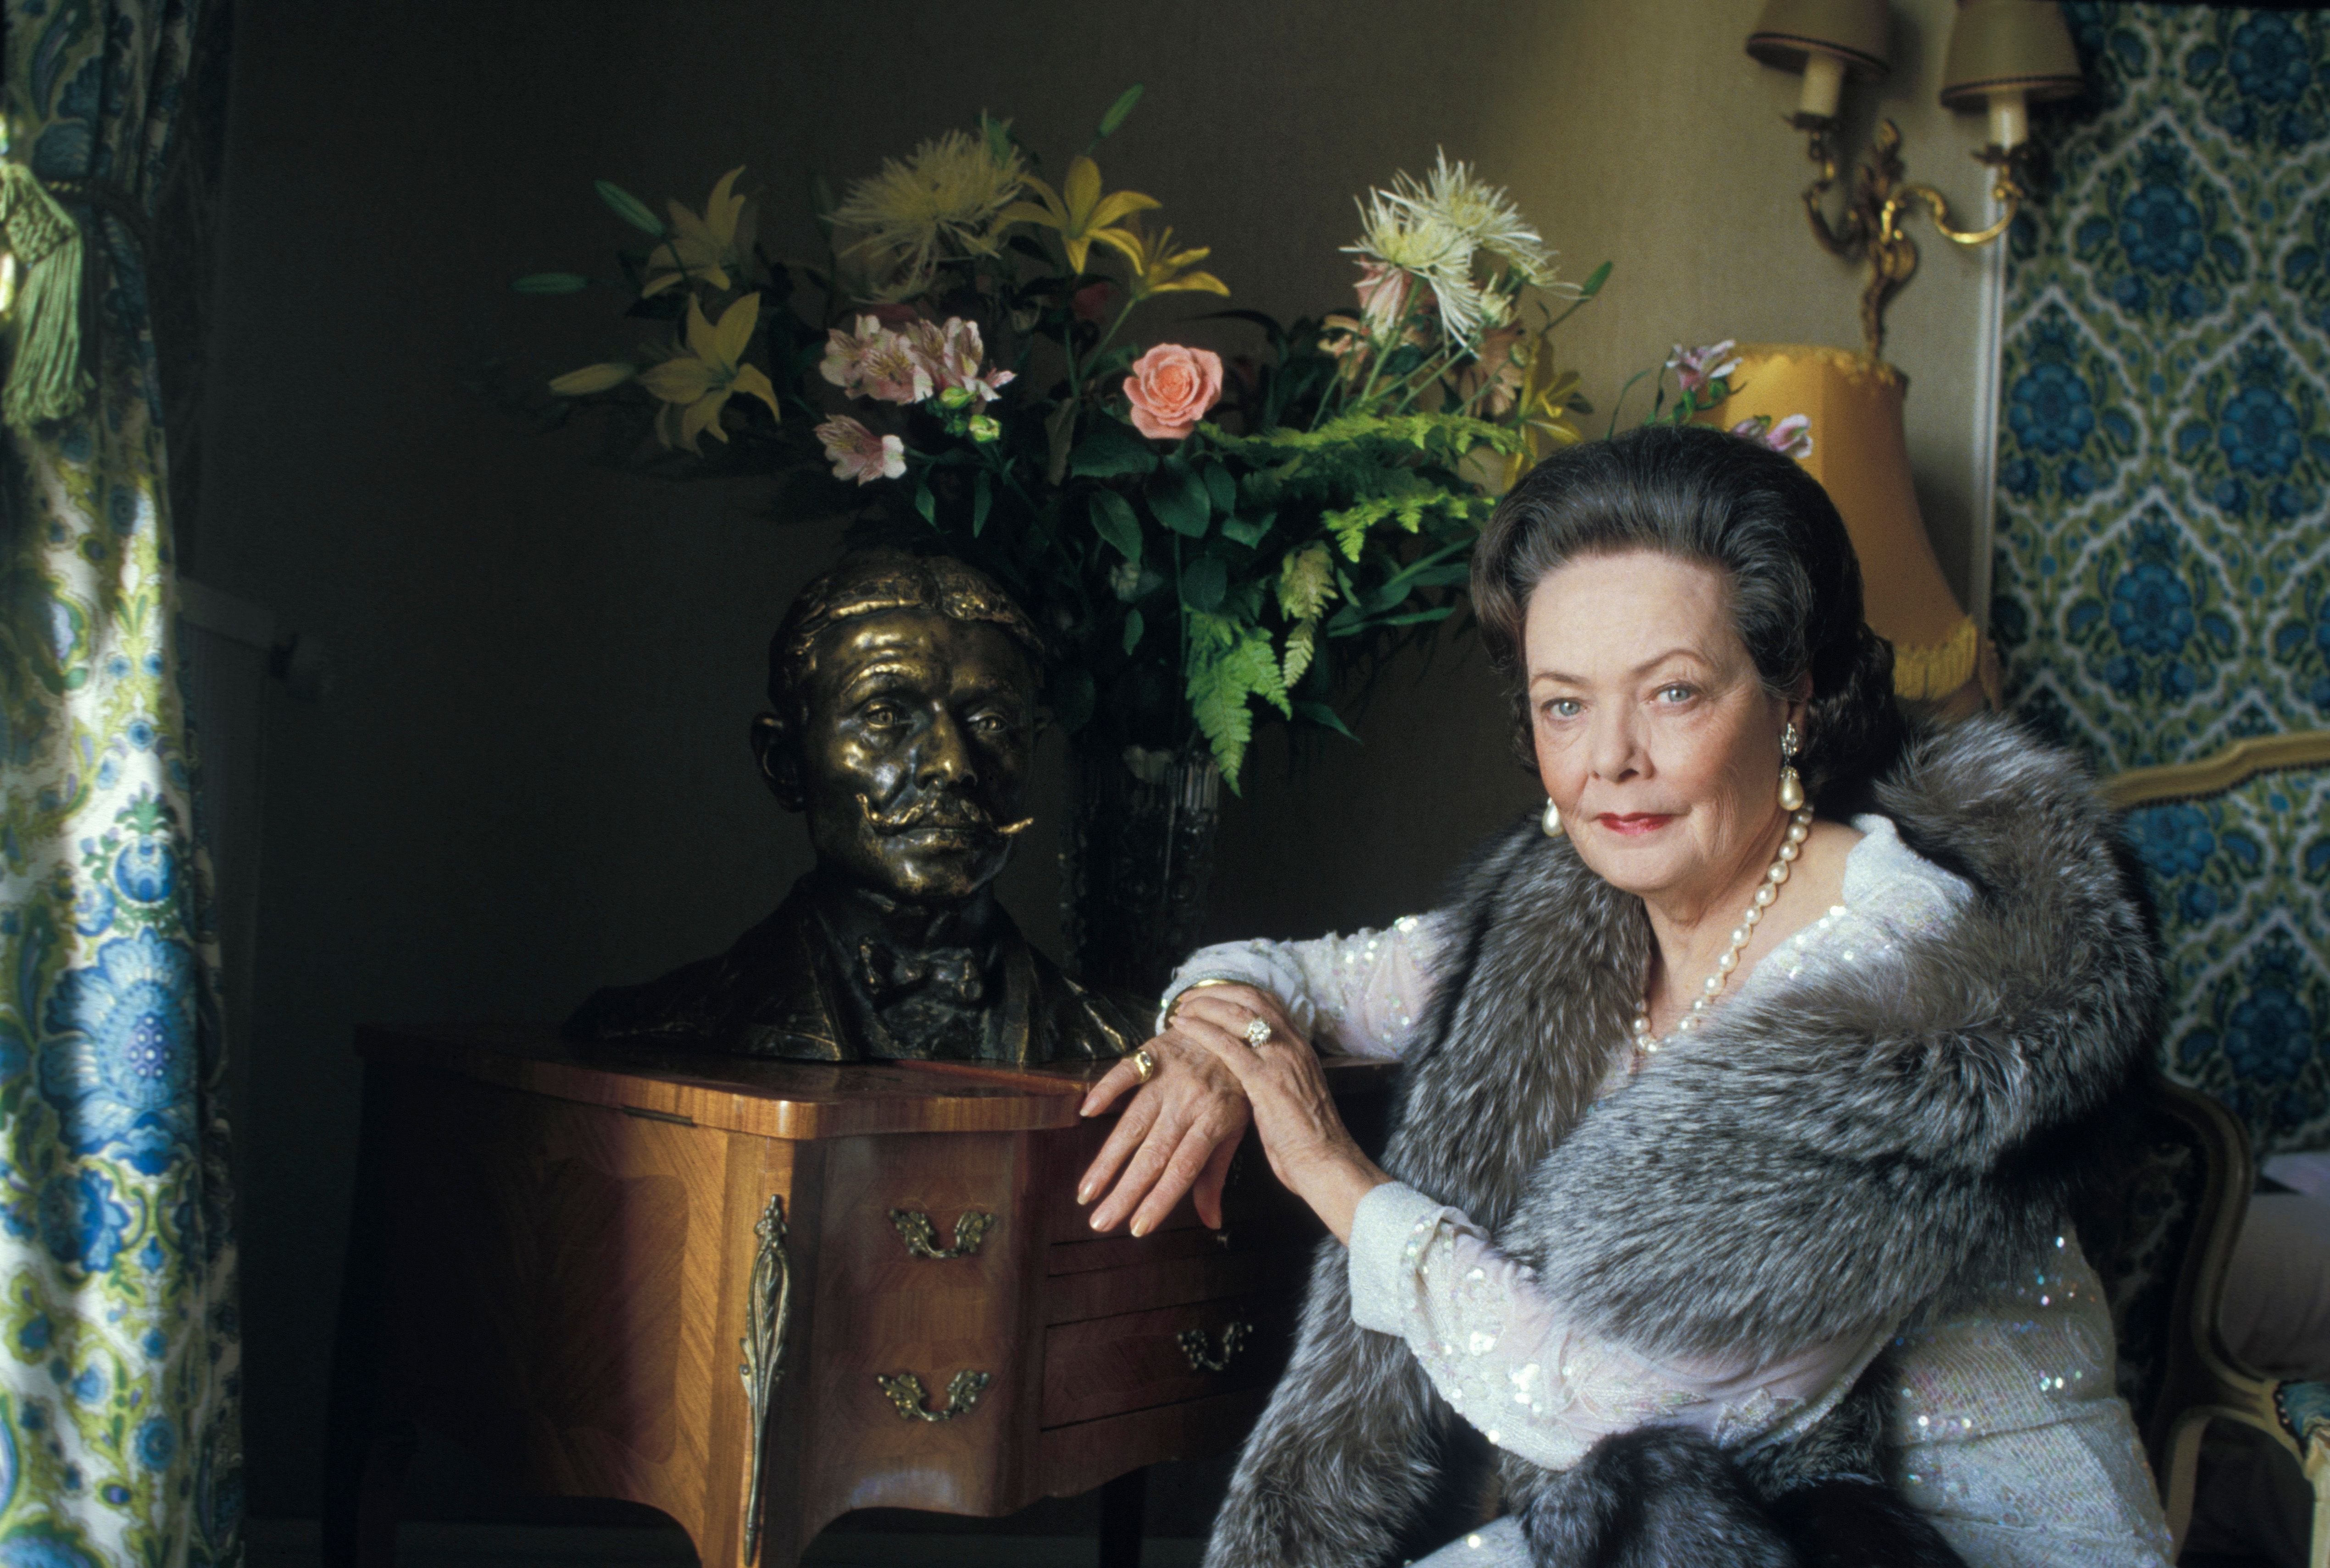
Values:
[(1885, 1139)]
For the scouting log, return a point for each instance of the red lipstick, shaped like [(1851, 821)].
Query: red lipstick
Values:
[(1634, 824)]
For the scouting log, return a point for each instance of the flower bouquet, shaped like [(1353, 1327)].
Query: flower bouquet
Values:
[(1205, 542)]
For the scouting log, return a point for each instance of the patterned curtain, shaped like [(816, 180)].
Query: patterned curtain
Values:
[(119, 1442), (2163, 554)]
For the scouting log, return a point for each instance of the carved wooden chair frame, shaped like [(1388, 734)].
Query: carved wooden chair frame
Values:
[(2203, 1380)]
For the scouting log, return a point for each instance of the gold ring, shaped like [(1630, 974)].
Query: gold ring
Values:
[(1257, 1032), (1145, 1064)]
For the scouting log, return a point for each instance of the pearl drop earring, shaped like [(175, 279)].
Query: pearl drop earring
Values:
[(1792, 789), (1550, 823)]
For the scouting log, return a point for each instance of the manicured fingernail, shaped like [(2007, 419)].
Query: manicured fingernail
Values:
[(1084, 1196), (1141, 1227), (1096, 1223)]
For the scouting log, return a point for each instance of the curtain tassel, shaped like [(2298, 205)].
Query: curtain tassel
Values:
[(45, 380)]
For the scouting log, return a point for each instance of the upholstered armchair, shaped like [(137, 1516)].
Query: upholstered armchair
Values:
[(2163, 1238)]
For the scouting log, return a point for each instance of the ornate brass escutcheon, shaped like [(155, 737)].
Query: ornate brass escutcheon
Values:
[(1198, 1348), (906, 1394), (915, 1230), (767, 1310)]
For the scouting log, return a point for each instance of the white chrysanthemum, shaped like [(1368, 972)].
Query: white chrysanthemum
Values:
[(1396, 235), (1456, 196)]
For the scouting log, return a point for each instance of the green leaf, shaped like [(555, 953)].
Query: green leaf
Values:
[(1179, 498), (1306, 582), (1322, 714), (1133, 626), (982, 496), (1203, 584), (1594, 281), (630, 208), (926, 503), (1221, 488), (1118, 110), (1248, 531), (1110, 450), (551, 283), (998, 133), (1112, 519)]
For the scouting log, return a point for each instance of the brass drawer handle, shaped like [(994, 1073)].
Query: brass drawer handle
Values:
[(915, 1230), (1198, 1347), (906, 1394)]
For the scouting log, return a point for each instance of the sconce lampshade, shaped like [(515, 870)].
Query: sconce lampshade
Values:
[(1861, 456), (1851, 31), (2005, 46)]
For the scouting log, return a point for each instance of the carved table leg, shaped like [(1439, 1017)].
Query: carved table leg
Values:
[(1122, 1502)]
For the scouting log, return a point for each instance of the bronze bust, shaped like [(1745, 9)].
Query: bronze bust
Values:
[(902, 692)]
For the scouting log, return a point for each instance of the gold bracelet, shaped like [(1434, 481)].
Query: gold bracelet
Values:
[(1173, 1004)]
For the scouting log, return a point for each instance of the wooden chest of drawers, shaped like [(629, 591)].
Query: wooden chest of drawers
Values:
[(757, 1295)]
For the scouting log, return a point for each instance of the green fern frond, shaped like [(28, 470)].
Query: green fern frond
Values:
[(1306, 583), (1229, 664), (1301, 644)]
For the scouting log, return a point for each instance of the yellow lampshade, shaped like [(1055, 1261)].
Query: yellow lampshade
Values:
[(1851, 30), (1861, 459), (2007, 46)]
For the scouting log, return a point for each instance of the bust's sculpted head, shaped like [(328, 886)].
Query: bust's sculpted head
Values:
[(903, 693)]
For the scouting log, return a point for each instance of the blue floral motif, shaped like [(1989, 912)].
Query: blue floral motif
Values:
[(42, 1544), (2160, 229), (2269, 1036), (2268, 60), (2152, 609), (2051, 410), (82, 1223), (158, 1444), (147, 870), (119, 1068), (2172, 840), (93, 910), (2259, 432)]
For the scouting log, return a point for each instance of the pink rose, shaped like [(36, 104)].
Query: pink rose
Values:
[(1170, 389)]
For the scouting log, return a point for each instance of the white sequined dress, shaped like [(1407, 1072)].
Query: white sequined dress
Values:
[(2011, 1437)]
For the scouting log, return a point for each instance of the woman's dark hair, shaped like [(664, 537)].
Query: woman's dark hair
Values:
[(1693, 492)]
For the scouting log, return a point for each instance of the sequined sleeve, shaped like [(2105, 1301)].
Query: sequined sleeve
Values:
[(1499, 1351), (1360, 994)]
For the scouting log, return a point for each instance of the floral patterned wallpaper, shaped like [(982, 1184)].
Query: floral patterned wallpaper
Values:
[(2162, 583)]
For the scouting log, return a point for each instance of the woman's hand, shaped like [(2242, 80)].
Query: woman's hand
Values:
[(1310, 1151), (1182, 1129)]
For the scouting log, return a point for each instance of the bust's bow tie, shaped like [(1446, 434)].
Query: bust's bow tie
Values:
[(951, 974)]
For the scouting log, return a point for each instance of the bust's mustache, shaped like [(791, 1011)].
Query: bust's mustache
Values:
[(938, 813)]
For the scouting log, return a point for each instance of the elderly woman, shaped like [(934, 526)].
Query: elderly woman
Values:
[(1745, 1088)]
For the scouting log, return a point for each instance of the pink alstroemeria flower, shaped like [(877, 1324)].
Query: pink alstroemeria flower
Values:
[(845, 353), (1383, 291), (1696, 367), (859, 454), (893, 373), (1791, 437), (952, 354)]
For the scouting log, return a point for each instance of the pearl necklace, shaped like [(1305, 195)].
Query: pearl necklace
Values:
[(1800, 826)]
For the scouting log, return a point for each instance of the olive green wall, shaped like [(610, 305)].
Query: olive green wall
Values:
[(532, 775)]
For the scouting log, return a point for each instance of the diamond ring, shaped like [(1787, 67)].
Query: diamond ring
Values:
[(1144, 1064), (1257, 1032)]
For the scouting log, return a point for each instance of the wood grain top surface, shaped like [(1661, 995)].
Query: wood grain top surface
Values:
[(800, 1100)]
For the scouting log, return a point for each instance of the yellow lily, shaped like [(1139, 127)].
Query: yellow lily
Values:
[(705, 247), (1542, 409), (1081, 213), (697, 383), (1159, 268)]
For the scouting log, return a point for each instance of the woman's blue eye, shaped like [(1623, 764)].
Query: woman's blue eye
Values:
[(1563, 708), (1675, 693)]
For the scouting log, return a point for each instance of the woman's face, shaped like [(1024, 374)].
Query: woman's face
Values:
[(1653, 733)]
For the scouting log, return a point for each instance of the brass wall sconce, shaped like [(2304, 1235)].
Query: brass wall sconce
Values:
[(2006, 54)]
